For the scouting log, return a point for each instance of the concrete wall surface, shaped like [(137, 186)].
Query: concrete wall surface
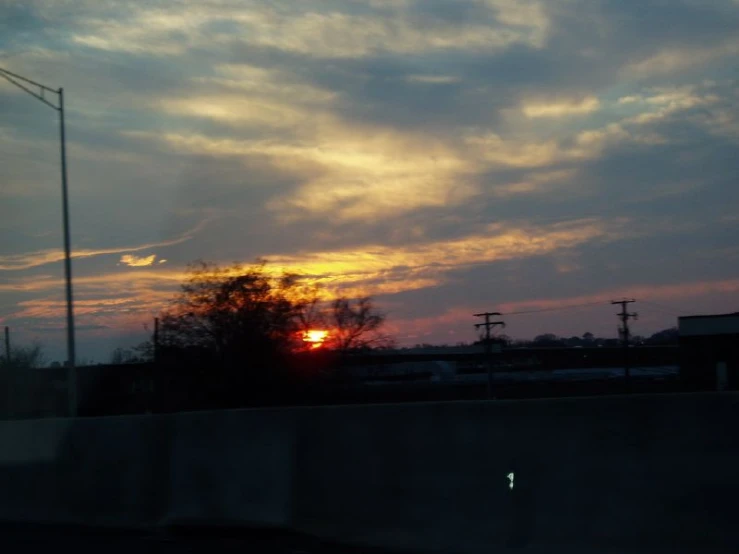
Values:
[(91, 471), (612, 474), (232, 467), (625, 472)]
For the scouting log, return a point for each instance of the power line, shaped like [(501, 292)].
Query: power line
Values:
[(674, 311), (657, 310), (671, 310), (570, 306)]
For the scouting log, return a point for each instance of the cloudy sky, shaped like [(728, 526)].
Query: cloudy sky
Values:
[(445, 157)]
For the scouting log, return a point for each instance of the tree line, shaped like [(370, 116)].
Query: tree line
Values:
[(665, 337), (24, 357), (247, 319)]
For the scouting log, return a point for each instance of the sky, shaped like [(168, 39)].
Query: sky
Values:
[(445, 157)]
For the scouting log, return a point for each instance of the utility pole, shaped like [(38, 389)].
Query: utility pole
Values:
[(156, 340), (488, 345), (10, 378), (7, 345), (626, 335)]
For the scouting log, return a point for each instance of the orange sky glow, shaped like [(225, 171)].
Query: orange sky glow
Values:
[(445, 158)]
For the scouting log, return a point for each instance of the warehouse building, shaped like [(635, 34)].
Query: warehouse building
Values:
[(709, 351)]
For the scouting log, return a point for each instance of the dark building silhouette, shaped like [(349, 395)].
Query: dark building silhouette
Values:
[(709, 350)]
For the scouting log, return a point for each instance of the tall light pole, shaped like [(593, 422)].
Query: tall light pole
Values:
[(26, 85)]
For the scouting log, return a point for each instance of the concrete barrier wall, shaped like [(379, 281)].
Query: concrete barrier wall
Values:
[(622, 471), (208, 467), (89, 471), (232, 467), (641, 472)]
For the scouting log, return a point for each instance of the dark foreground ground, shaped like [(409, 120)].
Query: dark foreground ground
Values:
[(25, 538)]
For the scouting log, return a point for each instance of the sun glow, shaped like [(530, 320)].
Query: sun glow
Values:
[(315, 337)]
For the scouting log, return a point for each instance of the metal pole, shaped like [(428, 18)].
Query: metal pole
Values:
[(25, 84), (10, 376), (488, 361), (71, 359), (7, 346), (155, 379), (156, 339), (627, 369)]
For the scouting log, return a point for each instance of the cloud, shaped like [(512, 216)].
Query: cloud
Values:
[(676, 59), (311, 30), (357, 177), (136, 261), (380, 269), (354, 177), (539, 183), (559, 109), (18, 262), (237, 109), (373, 269), (432, 79)]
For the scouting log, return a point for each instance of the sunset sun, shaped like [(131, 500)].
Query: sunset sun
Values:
[(315, 337)]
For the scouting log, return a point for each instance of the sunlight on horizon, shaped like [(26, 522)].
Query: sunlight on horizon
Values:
[(315, 337)]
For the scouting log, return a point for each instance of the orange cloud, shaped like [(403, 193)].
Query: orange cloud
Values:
[(373, 269), (28, 260), (136, 261), (497, 244)]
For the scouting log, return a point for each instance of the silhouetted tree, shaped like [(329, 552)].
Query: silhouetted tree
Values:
[(245, 318), (547, 339), (665, 337), (355, 325), (144, 352), (121, 356), (237, 317), (503, 339), (25, 357)]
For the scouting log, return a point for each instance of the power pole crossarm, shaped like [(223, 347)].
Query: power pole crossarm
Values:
[(489, 325)]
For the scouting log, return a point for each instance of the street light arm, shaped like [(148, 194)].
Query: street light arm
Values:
[(27, 80), (11, 77)]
